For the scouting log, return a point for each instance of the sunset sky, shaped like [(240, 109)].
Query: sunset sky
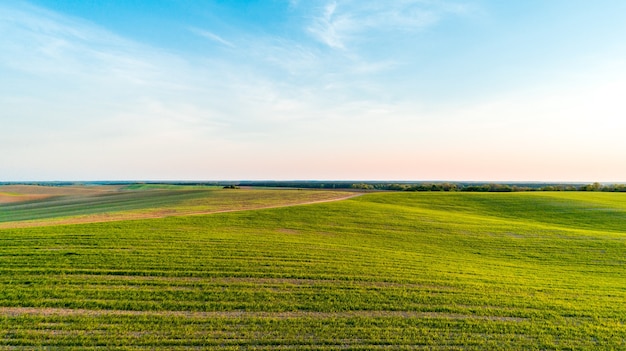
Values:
[(483, 90)]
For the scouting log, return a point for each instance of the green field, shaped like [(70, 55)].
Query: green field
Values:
[(450, 271)]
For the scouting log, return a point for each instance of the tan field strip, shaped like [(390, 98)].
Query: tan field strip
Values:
[(57, 190), (8, 198)]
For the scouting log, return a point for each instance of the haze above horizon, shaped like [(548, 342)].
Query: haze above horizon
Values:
[(452, 90)]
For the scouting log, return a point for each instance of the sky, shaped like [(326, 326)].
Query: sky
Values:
[(475, 90)]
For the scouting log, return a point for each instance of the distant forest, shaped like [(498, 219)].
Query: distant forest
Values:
[(368, 185), (439, 186)]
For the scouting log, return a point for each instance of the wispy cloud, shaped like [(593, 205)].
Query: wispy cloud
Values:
[(85, 78), (330, 28), (339, 22), (211, 36)]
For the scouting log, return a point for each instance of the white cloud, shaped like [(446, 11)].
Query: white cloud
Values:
[(212, 36), (330, 28), (340, 22)]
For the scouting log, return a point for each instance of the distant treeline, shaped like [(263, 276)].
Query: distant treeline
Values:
[(491, 187), (439, 186), (368, 185)]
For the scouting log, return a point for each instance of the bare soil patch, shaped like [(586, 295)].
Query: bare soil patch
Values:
[(57, 190), (9, 198)]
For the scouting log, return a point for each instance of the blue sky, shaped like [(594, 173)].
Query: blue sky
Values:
[(319, 89)]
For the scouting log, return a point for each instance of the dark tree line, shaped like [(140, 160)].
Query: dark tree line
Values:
[(490, 187)]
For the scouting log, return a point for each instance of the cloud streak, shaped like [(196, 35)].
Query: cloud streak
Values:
[(340, 23), (212, 36)]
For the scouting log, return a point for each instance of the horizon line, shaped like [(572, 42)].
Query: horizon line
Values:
[(162, 181)]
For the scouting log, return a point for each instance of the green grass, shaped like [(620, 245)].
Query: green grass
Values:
[(454, 271)]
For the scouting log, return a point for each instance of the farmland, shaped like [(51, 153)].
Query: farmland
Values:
[(70, 205), (453, 271)]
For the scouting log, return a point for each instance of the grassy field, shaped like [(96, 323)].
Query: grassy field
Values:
[(452, 271)]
